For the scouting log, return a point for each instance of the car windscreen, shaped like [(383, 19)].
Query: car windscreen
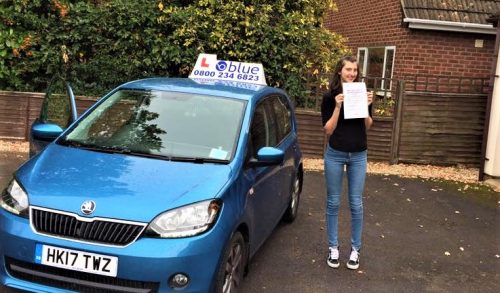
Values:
[(162, 124)]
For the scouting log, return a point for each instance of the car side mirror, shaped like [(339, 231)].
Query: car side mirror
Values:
[(46, 131), (267, 156)]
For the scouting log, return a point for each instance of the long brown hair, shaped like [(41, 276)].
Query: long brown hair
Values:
[(336, 83)]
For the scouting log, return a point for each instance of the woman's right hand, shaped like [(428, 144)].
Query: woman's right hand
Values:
[(338, 100)]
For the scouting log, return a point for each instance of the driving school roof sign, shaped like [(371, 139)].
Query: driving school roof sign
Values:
[(208, 67)]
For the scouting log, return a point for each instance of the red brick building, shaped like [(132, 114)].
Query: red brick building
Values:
[(440, 54), (403, 38)]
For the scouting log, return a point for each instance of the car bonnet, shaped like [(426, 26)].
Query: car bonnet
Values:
[(122, 186)]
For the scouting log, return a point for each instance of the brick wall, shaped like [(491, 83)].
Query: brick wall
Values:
[(448, 53), (368, 23)]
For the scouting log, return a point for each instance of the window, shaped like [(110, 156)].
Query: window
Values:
[(283, 116), (377, 62), (163, 123), (264, 131), (259, 131), (56, 106)]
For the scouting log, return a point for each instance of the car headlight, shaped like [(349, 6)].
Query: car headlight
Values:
[(186, 221), (14, 199)]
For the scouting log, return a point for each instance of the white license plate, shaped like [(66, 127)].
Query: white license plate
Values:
[(76, 260)]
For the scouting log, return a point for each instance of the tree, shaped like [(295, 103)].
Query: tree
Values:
[(100, 44)]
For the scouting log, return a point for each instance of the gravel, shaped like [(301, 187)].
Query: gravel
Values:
[(460, 174)]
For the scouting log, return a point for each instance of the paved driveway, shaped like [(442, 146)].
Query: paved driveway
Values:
[(420, 236)]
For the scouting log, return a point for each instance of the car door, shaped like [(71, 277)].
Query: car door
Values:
[(264, 197), (58, 111)]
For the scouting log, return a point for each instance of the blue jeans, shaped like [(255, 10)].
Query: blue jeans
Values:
[(356, 173)]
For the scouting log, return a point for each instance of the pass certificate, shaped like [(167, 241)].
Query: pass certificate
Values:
[(355, 100)]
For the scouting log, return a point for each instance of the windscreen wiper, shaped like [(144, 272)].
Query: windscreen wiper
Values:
[(94, 147), (198, 160), (121, 150)]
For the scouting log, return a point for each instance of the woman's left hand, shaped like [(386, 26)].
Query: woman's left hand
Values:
[(370, 97)]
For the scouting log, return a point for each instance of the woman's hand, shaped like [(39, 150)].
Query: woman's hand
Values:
[(370, 97), (338, 100)]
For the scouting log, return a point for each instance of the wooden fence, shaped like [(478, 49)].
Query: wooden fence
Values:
[(432, 128), (442, 128), (17, 112), (312, 139)]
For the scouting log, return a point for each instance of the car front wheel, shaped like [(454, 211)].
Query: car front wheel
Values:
[(232, 267)]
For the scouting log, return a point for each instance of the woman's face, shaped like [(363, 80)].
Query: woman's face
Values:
[(349, 72)]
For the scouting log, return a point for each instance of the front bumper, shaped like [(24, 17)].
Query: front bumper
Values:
[(148, 262)]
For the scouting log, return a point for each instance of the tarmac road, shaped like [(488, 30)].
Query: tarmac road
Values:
[(419, 236)]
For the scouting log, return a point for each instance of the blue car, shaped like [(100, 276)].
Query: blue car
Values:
[(163, 185)]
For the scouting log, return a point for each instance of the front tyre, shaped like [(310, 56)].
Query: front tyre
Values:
[(293, 206), (232, 267)]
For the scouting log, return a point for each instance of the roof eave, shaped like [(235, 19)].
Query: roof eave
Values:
[(439, 25)]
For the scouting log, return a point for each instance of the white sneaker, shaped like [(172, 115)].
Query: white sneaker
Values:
[(353, 262), (333, 257)]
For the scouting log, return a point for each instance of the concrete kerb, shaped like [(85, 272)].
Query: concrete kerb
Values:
[(494, 184)]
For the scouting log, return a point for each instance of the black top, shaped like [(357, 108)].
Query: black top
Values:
[(350, 134)]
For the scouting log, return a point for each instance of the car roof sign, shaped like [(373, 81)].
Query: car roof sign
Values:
[(208, 67)]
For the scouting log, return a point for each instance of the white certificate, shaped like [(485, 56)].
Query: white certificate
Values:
[(355, 100)]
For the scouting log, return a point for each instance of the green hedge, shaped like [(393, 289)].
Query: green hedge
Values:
[(99, 44)]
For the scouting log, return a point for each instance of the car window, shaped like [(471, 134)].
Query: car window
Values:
[(283, 116), (56, 106), (264, 131), (170, 124)]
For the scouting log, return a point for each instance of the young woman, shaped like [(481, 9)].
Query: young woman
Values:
[(346, 148)]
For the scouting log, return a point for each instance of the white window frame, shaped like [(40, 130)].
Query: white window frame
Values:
[(365, 51)]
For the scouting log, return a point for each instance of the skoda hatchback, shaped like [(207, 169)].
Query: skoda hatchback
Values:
[(163, 185)]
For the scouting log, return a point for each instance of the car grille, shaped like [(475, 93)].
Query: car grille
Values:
[(73, 280), (97, 230)]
